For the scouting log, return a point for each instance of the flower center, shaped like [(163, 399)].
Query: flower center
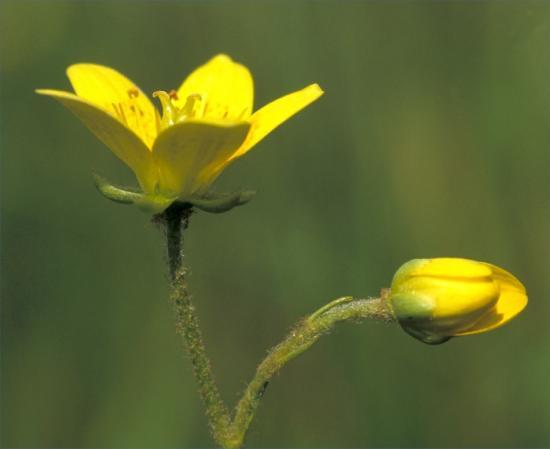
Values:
[(194, 107)]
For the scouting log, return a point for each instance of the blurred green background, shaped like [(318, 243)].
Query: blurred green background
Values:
[(433, 139)]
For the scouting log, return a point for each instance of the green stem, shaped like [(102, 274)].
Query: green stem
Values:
[(304, 335), (187, 323), (230, 433)]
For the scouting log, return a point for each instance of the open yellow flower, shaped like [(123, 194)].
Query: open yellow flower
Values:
[(207, 123), (436, 299)]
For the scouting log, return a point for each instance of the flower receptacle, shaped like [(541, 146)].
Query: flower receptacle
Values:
[(156, 203)]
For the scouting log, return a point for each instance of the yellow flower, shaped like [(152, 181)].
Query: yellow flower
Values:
[(205, 125), (436, 299)]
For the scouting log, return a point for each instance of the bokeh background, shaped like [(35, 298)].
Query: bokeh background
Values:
[(433, 139)]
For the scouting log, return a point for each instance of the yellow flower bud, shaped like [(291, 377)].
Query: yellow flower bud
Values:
[(436, 299)]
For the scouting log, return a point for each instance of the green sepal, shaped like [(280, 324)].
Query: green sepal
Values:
[(221, 202), (126, 195), (116, 193), (414, 312), (155, 204)]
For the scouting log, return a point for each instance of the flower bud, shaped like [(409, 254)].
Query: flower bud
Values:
[(436, 299)]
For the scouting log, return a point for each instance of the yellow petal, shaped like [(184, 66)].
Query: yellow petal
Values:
[(113, 92), (507, 280), (512, 300), (226, 86), (187, 152), (273, 114), (450, 267), (123, 142)]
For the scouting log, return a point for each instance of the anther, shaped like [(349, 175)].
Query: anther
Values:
[(133, 93)]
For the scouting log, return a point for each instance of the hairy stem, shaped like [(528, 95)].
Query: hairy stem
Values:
[(187, 323), (229, 432), (304, 335)]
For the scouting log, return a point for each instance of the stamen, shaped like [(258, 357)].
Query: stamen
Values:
[(137, 118), (213, 109), (133, 93), (193, 107), (121, 106), (189, 107), (169, 111), (243, 113), (120, 112), (129, 112)]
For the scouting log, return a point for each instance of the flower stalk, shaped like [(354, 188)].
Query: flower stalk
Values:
[(176, 219), (301, 338), (230, 431)]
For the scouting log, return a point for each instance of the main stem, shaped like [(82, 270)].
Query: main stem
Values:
[(230, 432), (187, 323)]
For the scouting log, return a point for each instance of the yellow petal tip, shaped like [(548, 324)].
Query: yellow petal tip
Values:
[(78, 65), (54, 93), (222, 57), (316, 88)]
